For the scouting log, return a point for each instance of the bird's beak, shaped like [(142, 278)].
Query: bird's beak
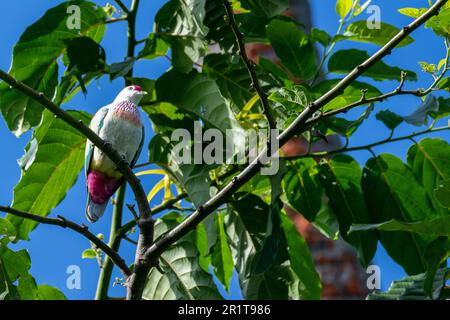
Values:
[(144, 93)]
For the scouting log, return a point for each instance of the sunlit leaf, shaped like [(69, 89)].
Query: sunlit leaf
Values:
[(35, 60), (59, 159)]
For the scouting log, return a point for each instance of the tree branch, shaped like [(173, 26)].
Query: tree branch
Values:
[(298, 126), (122, 6), (81, 229), (368, 146), (248, 63), (122, 231)]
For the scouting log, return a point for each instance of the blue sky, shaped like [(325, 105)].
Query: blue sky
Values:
[(52, 249)]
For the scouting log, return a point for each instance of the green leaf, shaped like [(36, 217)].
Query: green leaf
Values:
[(245, 225), (180, 24), (35, 60), (358, 31), (301, 261), (154, 47), (411, 288), (344, 61), (275, 70), (88, 254), (166, 117), (321, 36), (443, 109), (201, 242), (428, 67), (436, 256), (350, 95), (274, 250), (192, 178), (430, 162), (199, 95), (442, 193), (220, 32), (15, 263), (185, 51), (390, 119), (46, 292), (293, 47), (27, 288), (181, 18), (343, 126), (7, 228), (444, 84), (68, 87), (412, 12), (58, 161), (435, 227), (221, 259), (302, 189), (391, 191), (420, 116), (85, 55), (7, 289), (232, 78), (269, 8), (326, 222), (440, 23), (183, 278), (341, 178), (294, 99), (343, 7), (274, 246)]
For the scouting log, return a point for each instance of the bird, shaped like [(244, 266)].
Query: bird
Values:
[(118, 124)]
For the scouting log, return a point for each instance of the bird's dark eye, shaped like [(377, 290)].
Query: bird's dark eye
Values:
[(130, 88)]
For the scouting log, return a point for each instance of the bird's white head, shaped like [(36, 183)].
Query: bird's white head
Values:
[(132, 94)]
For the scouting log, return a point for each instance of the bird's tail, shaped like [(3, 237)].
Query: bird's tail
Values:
[(94, 211)]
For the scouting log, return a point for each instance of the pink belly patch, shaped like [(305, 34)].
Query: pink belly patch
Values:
[(100, 186)]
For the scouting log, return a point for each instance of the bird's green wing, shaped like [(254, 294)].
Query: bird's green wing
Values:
[(96, 126), (138, 152)]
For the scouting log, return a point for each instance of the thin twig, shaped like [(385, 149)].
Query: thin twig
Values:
[(130, 240), (248, 63), (396, 92), (122, 6), (123, 18), (81, 229)]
